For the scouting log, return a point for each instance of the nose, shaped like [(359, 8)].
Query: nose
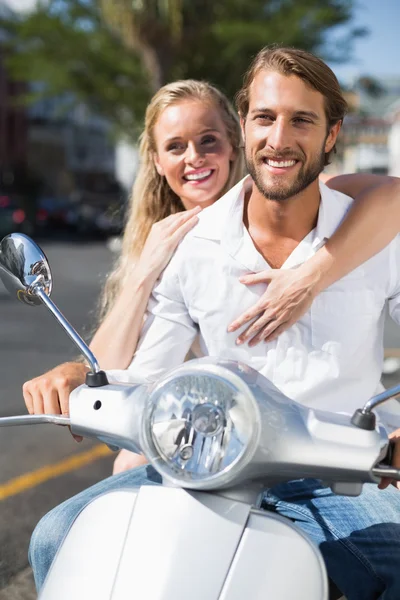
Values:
[(279, 135), (194, 154)]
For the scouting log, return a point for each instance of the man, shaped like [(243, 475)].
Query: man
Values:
[(291, 110)]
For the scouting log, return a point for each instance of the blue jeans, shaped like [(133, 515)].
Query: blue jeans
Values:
[(359, 537)]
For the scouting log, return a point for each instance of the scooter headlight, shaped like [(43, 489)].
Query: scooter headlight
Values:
[(201, 427)]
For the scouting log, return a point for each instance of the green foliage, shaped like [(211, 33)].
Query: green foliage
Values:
[(113, 54), (72, 51)]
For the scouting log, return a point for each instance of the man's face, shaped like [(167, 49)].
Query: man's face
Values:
[(286, 134)]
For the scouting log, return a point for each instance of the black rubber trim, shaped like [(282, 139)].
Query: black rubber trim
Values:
[(96, 379), (364, 420)]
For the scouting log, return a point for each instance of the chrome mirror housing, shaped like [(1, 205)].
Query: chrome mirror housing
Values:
[(24, 268), (25, 272)]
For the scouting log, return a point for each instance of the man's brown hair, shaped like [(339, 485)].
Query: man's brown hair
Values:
[(311, 69)]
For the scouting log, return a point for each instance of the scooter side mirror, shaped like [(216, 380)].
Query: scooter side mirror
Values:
[(25, 272), (24, 266)]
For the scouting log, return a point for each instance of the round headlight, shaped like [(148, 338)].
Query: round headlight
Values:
[(201, 427)]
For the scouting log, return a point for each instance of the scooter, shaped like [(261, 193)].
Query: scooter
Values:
[(218, 433)]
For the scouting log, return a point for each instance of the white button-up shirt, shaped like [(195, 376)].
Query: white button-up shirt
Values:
[(330, 359)]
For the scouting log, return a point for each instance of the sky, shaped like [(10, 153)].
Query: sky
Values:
[(379, 52), (21, 5), (376, 54)]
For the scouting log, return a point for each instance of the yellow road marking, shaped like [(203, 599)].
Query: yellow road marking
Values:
[(34, 478)]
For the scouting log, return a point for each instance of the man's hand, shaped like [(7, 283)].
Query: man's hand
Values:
[(49, 393), (289, 295), (395, 461)]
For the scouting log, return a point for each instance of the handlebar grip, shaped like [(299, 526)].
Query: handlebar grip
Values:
[(385, 468), (387, 471)]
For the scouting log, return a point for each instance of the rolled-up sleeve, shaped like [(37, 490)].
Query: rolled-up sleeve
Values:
[(167, 334)]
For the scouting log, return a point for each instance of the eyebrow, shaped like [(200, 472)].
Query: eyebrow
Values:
[(298, 113), (208, 130)]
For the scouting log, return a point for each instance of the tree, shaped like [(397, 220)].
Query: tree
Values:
[(114, 54)]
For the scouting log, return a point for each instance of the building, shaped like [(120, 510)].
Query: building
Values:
[(367, 129), (394, 139), (365, 144), (13, 122), (70, 149)]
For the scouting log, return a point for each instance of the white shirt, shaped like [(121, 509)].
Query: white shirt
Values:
[(330, 359)]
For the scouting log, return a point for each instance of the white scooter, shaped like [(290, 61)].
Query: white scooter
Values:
[(218, 433)]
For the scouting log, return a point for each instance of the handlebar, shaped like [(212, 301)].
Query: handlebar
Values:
[(34, 420)]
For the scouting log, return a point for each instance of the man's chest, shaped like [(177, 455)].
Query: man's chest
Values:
[(340, 321), (274, 252)]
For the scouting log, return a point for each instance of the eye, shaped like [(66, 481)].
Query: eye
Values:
[(301, 120), (208, 140), (263, 118), (175, 147)]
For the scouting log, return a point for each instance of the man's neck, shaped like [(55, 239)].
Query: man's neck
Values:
[(277, 227)]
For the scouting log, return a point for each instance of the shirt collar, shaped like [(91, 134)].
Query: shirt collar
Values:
[(224, 217), (223, 222)]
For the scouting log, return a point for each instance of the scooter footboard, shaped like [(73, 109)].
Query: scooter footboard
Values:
[(161, 543)]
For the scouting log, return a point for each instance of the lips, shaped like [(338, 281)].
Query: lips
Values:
[(198, 176), (280, 163)]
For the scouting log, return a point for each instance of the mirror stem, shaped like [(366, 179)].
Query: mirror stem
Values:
[(91, 359), (380, 398), (364, 418)]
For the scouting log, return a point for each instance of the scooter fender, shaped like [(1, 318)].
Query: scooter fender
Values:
[(164, 543)]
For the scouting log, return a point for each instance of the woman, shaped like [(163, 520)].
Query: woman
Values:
[(189, 157)]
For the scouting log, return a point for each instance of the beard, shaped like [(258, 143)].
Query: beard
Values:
[(279, 190)]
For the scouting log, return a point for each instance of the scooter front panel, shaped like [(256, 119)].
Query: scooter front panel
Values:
[(87, 562), (275, 561), (180, 545)]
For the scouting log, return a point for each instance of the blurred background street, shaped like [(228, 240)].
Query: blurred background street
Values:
[(31, 343), (75, 78)]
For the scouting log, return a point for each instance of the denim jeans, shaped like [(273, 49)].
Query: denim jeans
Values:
[(359, 537)]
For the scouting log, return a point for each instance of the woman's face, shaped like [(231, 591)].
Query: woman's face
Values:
[(193, 151)]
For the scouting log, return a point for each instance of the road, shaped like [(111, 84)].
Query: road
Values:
[(30, 343)]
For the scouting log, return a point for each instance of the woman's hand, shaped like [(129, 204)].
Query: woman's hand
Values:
[(289, 295), (49, 393), (162, 242), (128, 460)]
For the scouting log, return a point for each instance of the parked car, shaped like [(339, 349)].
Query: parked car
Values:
[(56, 214), (13, 218), (98, 221)]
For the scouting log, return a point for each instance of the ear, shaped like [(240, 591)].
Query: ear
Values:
[(157, 165), (242, 126), (332, 136)]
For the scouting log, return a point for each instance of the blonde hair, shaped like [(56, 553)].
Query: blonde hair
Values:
[(152, 199)]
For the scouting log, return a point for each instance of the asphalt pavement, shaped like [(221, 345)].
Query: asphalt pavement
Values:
[(31, 342)]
